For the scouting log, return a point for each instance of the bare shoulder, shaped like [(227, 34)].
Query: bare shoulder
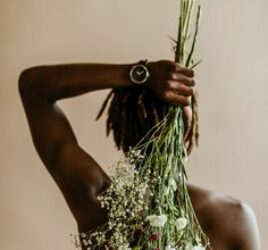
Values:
[(226, 218)]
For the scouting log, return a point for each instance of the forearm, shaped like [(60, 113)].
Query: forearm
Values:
[(62, 81)]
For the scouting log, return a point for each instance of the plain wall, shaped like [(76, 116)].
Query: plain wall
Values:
[(232, 82)]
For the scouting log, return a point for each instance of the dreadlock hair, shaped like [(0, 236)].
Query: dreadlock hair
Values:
[(133, 112)]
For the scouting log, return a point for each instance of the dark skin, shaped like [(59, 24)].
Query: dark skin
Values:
[(230, 224)]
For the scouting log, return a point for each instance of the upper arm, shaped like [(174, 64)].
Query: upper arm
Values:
[(74, 170), (52, 134), (49, 127)]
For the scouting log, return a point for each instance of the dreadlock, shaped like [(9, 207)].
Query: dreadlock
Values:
[(133, 112)]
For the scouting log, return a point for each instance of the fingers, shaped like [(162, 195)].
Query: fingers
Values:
[(172, 82), (177, 99), (183, 79), (180, 88), (185, 71)]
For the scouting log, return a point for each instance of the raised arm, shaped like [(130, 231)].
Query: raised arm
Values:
[(77, 174)]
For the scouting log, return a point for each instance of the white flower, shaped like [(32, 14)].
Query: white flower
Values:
[(124, 247), (157, 220), (181, 223), (189, 246), (168, 247), (199, 247), (173, 184)]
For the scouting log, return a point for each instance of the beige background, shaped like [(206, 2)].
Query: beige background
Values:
[(232, 79)]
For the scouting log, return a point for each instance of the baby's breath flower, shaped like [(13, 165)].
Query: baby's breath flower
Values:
[(124, 247)]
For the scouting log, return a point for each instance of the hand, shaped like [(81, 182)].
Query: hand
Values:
[(171, 82)]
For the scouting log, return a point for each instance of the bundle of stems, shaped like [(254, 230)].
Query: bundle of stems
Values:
[(168, 155), (148, 201)]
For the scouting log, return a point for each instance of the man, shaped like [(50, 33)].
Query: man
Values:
[(228, 223)]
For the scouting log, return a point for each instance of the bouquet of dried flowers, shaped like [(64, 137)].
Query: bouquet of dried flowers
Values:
[(148, 203)]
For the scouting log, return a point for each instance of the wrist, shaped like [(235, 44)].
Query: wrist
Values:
[(151, 69)]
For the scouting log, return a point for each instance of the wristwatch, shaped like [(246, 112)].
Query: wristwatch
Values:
[(139, 73)]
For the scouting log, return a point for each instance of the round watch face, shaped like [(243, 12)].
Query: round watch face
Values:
[(139, 74)]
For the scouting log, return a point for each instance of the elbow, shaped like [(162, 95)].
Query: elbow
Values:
[(29, 82)]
